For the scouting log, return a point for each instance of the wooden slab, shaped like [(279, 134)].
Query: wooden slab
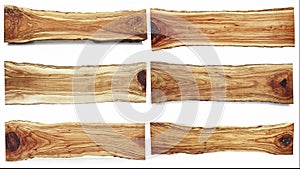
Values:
[(167, 138), (25, 25), (27, 83), (263, 28), (26, 140), (251, 83)]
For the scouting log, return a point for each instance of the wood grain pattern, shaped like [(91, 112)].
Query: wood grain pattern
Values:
[(167, 138), (264, 28), (24, 25), (259, 83), (26, 140), (27, 83)]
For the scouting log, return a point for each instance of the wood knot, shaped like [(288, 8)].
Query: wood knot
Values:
[(162, 32), (12, 20), (132, 25), (154, 31), (141, 77), (12, 11), (139, 140), (12, 141), (156, 34), (135, 21), (282, 84), (285, 140)]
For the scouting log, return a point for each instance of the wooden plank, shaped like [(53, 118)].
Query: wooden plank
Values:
[(26, 140), (27, 83), (263, 28), (25, 25), (167, 138), (252, 83)]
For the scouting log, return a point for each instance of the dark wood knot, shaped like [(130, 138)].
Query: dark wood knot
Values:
[(10, 10), (286, 140), (12, 141), (141, 77), (154, 31), (13, 12), (160, 32), (283, 83)]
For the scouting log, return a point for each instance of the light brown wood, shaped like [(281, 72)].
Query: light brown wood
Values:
[(264, 28), (167, 138), (25, 25), (26, 140), (253, 83), (27, 83)]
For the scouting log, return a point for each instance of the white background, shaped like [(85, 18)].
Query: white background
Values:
[(234, 114)]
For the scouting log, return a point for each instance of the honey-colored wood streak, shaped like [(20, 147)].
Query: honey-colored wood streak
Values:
[(265, 28), (27, 83), (167, 138), (25, 25), (254, 83), (26, 140)]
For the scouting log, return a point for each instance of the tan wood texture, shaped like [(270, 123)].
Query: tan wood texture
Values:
[(27, 83), (167, 138), (25, 25), (264, 28), (26, 140), (253, 83)]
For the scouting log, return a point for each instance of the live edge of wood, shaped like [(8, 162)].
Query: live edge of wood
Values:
[(244, 83), (27, 83), (25, 140), (168, 138), (25, 25), (262, 28)]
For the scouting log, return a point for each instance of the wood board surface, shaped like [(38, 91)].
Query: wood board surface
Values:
[(25, 25), (25, 140), (263, 28), (168, 138), (27, 83), (244, 83)]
